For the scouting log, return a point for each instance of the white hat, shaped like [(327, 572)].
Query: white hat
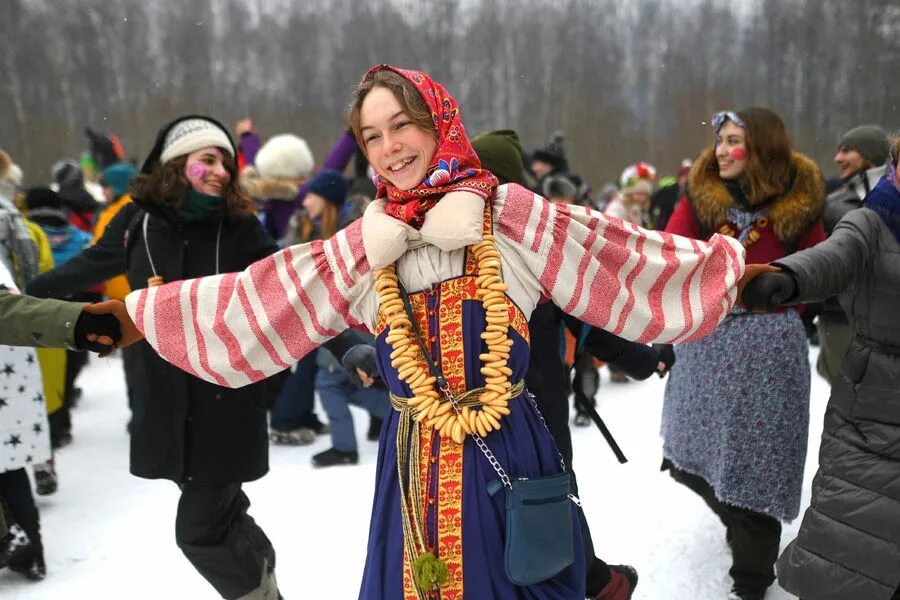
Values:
[(285, 155), (193, 134)]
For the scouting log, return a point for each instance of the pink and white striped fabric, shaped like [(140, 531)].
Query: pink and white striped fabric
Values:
[(647, 286), (237, 328)]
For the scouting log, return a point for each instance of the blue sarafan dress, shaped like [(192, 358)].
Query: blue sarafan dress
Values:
[(642, 285), (453, 477)]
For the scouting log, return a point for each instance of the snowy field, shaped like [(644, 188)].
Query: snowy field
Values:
[(110, 535)]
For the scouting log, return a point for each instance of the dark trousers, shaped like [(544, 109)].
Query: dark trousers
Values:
[(296, 400), (15, 491), (61, 419), (586, 382), (753, 537), (131, 364), (221, 540)]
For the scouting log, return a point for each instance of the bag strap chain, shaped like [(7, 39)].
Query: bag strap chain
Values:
[(444, 386)]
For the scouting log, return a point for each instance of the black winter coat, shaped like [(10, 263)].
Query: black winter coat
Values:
[(182, 428), (547, 375)]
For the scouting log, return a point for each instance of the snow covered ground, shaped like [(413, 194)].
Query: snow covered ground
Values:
[(110, 535)]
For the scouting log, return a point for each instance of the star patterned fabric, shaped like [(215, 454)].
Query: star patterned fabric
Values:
[(24, 433)]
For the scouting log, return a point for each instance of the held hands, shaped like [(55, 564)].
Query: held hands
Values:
[(766, 288), (359, 362), (106, 326), (666, 359)]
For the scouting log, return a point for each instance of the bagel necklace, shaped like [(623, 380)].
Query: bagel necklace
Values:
[(407, 358)]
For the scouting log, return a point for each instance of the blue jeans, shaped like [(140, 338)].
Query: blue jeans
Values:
[(336, 393), (295, 402)]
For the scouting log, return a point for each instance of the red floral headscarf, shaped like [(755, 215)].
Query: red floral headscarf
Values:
[(455, 165)]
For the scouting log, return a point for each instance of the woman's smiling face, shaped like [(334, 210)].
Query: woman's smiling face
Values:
[(205, 169), (398, 149), (731, 151)]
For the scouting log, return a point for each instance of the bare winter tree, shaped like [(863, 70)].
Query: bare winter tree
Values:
[(624, 81)]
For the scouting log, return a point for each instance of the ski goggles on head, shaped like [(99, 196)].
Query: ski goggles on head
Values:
[(719, 118)]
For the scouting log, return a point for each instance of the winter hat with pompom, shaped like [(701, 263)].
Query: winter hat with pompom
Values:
[(638, 178)]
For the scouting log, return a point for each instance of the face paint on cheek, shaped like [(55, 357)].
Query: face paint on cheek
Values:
[(738, 154), (196, 173)]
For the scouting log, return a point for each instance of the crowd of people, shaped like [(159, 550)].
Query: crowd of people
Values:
[(461, 292)]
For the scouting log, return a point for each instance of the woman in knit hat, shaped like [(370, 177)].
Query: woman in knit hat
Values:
[(476, 257), (275, 178), (325, 212), (325, 209), (632, 204), (191, 218)]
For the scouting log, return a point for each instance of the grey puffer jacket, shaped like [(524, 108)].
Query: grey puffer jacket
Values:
[(849, 541)]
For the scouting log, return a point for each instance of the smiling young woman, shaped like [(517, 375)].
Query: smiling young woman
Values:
[(476, 258), (210, 171), (189, 219), (736, 409)]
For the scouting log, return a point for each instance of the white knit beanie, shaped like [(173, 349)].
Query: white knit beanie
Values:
[(191, 135)]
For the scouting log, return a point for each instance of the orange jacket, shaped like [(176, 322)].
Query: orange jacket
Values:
[(117, 287)]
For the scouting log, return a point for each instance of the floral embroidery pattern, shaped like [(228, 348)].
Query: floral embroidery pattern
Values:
[(447, 173)]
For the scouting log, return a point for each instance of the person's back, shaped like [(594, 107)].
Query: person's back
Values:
[(116, 180), (279, 169), (81, 207), (45, 207)]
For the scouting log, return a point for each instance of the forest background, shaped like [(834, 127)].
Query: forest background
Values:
[(624, 80)]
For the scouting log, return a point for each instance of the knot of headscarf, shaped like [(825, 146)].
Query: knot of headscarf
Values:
[(454, 167)]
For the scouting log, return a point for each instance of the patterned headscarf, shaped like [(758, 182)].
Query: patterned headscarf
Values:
[(455, 166)]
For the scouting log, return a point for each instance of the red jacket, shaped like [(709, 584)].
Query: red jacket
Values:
[(793, 221)]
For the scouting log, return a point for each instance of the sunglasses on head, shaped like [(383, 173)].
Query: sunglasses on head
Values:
[(719, 119)]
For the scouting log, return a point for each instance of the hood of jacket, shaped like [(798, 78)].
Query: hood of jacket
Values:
[(791, 213), (269, 188)]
